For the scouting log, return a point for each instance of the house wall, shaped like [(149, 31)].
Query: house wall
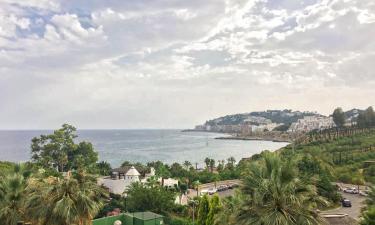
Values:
[(114, 186)]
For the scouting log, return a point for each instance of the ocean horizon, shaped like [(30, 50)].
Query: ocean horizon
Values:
[(142, 145)]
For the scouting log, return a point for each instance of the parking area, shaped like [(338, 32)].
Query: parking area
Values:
[(354, 211), (209, 188)]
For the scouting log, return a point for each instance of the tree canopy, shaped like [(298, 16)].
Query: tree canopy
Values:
[(142, 197), (58, 150), (366, 118), (339, 117)]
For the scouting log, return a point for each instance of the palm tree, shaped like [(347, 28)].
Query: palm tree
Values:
[(212, 165), (207, 162), (196, 186), (187, 165), (231, 161), (226, 215), (13, 195), (274, 195), (12, 198), (66, 201)]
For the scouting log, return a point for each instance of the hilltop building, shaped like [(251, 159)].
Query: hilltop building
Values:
[(309, 123)]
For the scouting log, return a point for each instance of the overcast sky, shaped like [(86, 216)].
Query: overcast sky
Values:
[(177, 63)]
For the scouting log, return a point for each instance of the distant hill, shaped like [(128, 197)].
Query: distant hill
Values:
[(270, 116)]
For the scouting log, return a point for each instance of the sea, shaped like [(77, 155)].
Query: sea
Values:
[(117, 146)]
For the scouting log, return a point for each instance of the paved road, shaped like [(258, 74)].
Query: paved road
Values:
[(355, 210), (230, 192), (218, 183)]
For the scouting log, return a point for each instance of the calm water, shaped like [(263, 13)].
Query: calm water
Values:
[(116, 146)]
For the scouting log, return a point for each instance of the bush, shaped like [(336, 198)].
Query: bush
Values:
[(345, 178), (177, 221)]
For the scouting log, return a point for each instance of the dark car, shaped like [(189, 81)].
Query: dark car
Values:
[(346, 203), (232, 186), (222, 188)]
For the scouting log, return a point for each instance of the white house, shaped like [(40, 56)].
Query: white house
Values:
[(169, 182), (309, 123), (120, 180)]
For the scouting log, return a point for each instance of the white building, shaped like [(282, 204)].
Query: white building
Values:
[(120, 180), (169, 182), (309, 123), (264, 127)]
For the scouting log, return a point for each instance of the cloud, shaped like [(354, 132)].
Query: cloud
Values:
[(38, 4), (137, 64)]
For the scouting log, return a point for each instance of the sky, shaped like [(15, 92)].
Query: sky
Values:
[(174, 63)]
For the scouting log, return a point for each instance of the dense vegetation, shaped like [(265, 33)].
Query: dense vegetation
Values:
[(368, 213), (341, 158), (32, 195)]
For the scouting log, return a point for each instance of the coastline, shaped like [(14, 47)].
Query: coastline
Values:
[(253, 139), (268, 136)]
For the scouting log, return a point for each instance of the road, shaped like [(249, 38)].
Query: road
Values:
[(354, 211), (193, 193), (222, 194)]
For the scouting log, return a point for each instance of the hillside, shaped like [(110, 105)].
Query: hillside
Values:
[(349, 155), (274, 116)]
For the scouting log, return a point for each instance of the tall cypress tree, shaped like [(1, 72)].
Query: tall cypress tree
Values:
[(215, 206), (204, 209)]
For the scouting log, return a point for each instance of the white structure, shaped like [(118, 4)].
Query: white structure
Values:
[(169, 182), (262, 128), (181, 199), (309, 123), (118, 184), (132, 175)]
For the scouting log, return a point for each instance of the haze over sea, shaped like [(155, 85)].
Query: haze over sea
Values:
[(116, 146)]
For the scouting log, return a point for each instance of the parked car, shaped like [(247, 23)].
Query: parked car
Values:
[(352, 190), (364, 193), (212, 191), (346, 203), (355, 191), (222, 188), (231, 186)]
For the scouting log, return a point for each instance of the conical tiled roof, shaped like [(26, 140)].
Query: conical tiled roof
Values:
[(132, 172)]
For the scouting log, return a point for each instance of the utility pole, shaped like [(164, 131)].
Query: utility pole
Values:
[(194, 204)]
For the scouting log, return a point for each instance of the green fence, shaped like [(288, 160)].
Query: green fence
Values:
[(110, 220), (139, 218)]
